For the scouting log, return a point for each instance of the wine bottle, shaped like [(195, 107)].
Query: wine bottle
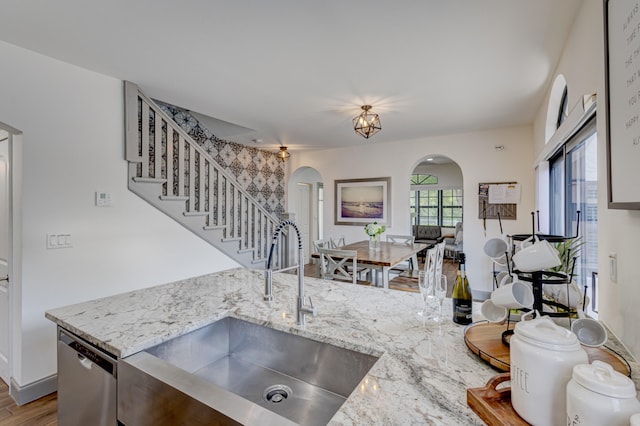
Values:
[(461, 295)]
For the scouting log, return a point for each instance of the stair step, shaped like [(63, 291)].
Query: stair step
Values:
[(173, 198), (214, 228), (231, 240), (195, 214), (153, 189), (148, 180)]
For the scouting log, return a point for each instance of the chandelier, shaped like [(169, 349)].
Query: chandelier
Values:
[(367, 123), (283, 155)]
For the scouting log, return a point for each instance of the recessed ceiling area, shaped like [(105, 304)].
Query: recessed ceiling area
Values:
[(295, 72)]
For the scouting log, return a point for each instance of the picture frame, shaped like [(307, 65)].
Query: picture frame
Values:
[(362, 201), (622, 102)]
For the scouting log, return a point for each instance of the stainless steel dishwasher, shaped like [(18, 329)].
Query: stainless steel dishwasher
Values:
[(86, 383)]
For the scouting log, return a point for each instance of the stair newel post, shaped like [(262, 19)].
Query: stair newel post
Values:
[(132, 105)]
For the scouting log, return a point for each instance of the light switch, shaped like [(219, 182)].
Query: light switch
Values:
[(57, 241)]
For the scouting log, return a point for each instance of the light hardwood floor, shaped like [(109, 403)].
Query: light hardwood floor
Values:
[(42, 412)]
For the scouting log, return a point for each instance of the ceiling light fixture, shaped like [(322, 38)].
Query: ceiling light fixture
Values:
[(283, 155), (367, 123)]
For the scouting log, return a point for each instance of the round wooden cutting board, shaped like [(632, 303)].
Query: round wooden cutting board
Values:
[(485, 340)]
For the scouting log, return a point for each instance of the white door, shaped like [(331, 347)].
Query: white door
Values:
[(303, 211), (4, 267)]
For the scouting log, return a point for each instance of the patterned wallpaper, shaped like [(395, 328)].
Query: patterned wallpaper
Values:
[(258, 171)]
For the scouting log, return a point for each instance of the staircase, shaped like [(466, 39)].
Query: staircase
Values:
[(169, 170)]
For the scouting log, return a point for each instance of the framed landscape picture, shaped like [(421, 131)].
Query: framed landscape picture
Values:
[(362, 201)]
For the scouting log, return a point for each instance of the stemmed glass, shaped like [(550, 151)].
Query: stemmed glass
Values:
[(426, 289), (440, 287)]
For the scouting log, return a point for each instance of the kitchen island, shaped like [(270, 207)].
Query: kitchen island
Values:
[(421, 376)]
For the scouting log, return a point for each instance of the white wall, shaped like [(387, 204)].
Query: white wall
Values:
[(449, 175), (582, 64), (478, 160), (72, 124)]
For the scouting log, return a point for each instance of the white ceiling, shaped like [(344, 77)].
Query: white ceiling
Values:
[(296, 71)]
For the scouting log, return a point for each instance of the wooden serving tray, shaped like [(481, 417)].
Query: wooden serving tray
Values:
[(493, 405), (485, 340)]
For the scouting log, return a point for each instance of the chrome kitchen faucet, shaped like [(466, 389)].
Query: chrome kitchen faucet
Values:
[(302, 308)]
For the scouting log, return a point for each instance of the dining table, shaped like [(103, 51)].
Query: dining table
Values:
[(383, 259)]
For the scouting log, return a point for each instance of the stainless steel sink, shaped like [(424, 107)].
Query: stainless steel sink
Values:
[(297, 378)]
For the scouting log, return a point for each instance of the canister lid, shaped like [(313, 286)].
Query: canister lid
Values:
[(544, 330), (601, 378)]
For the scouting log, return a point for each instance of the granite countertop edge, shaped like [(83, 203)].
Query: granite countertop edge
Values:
[(421, 376)]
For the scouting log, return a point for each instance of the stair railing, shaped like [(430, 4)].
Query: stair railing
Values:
[(163, 152)]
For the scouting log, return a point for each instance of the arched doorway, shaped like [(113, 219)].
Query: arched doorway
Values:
[(306, 201), (436, 192), (436, 200)]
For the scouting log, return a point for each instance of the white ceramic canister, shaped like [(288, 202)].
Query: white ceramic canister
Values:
[(598, 395), (543, 355)]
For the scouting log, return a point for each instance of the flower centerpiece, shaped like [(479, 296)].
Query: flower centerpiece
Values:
[(374, 230)]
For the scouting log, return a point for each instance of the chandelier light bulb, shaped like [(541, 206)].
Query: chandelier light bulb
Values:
[(367, 123)]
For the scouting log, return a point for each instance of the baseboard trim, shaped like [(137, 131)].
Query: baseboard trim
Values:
[(25, 394)]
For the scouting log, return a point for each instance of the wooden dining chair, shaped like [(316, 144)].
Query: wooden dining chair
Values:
[(403, 240), (336, 242), (317, 245), (322, 243), (340, 265)]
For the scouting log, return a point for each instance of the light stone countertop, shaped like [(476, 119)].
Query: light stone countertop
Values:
[(422, 374)]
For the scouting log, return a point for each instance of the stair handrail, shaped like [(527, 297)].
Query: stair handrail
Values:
[(198, 148), (131, 94)]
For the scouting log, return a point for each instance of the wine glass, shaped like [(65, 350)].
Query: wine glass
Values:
[(425, 285), (440, 287)]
